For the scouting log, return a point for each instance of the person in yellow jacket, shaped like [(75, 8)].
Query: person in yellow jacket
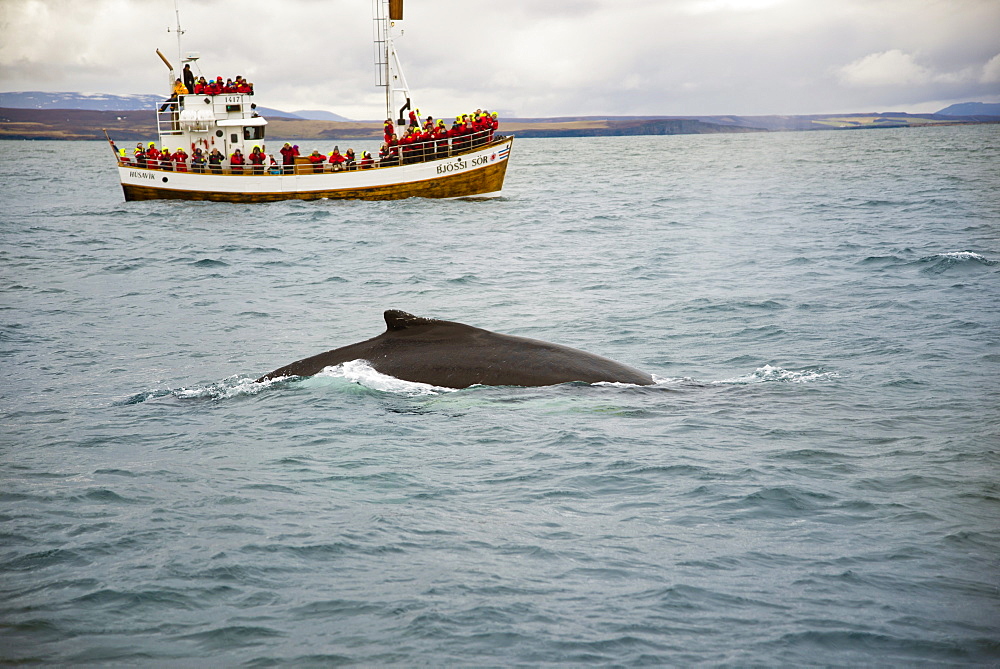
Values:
[(171, 103)]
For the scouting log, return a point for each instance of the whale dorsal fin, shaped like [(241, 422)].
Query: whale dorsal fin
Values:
[(400, 320)]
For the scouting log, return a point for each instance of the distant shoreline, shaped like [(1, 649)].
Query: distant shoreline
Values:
[(140, 125)]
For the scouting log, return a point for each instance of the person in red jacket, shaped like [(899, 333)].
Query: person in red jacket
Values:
[(367, 162), (417, 145), (406, 147), (494, 124), (152, 157), (455, 135), (337, 161), (440, 135), (237, 161), (317, 158), (180, 160), (166, 160), (257, 160), (287, 158), (391, 140)]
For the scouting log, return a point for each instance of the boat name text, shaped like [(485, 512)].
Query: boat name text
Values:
[(460, 165), (142, 175), (456, 166)]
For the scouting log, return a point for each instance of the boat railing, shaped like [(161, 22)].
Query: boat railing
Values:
[(418, 152)]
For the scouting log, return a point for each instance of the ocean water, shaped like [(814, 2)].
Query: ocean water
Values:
[(813, 481)]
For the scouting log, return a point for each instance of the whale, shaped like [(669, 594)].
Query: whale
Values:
[(454, 355)]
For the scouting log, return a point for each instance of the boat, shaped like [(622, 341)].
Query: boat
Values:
[(472, 164)]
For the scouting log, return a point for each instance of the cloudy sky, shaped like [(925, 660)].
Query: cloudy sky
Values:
[(529, 57)]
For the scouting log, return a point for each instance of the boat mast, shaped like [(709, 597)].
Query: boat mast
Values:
[(177, 13), (388, 70)]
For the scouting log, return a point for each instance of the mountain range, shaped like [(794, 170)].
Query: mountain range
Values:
[(80, 116), (972, 109), (102, 102)]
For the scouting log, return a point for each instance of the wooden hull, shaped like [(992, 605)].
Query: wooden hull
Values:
[(476, 173)]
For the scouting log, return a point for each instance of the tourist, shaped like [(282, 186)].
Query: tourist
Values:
[(152, 156), (288, 158), (336, 160), (237, 161), (215, 159), (455, 135), (494, 124), (317, 158), (257, 160), (188, 78), (440, 135), (198, 162), (180, 160)]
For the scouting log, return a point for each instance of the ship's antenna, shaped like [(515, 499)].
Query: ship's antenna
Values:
[(177, 13), (389, 71)]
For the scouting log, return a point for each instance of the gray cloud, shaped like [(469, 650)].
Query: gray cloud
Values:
[(534, 58)]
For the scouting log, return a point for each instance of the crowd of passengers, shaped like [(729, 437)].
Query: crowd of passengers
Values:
[(421, 141), (432, 139), (199, 161), (201, 86)]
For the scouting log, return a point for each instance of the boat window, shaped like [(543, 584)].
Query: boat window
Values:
[(234, 108), (233, 138), (253, 132)]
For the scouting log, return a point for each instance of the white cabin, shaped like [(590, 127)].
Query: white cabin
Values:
[(225, 122)]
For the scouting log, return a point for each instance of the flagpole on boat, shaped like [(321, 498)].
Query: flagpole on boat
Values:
[(388, 66)]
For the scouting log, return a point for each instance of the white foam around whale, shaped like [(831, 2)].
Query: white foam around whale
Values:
[(361, 372)]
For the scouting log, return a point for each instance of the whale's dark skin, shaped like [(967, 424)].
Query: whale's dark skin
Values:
[(453, 355)]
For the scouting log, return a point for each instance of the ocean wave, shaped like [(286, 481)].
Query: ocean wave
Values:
[(769, 374), (953, 260)]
